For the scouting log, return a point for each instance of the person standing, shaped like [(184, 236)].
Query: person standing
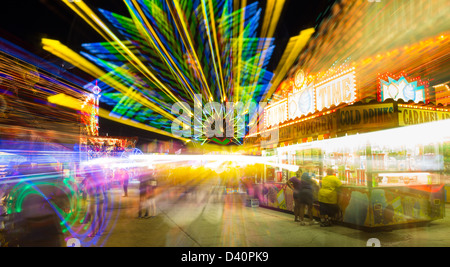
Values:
[(144, 180), (294, 184), (328, 198), (84, 186), (95, 198), (306, 198), (151, 194), (124, 178), (108, 178)]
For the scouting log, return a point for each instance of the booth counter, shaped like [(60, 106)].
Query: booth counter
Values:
[(389, 177)]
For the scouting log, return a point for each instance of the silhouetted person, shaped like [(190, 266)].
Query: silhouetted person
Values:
[(95, 198), (306, 197), (124, 178), (144, 183), (151, 194), (294, 184)]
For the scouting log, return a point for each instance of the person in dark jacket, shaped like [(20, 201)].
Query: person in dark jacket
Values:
[(306, 197), (294, 184), (123, 177), (151, 194), (144, 181), (95, 198)]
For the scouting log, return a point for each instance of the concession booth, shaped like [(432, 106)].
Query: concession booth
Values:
[(390, 175), (380, 119)]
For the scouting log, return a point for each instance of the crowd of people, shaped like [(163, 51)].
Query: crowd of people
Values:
[(37, 223), (97, 181), (306, 192)]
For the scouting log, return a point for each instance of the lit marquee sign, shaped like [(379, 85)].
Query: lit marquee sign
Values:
[(396, 88), (301, 102), (299, 79), (335, 90), (302, 99), (308, 97), (276, 113)]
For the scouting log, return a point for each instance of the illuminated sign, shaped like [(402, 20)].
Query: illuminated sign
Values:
[(442, 94), (318, 126), (410, 116), (367, 116), (276, 113), (301, 103), (307, 97), (400, 88), (89, 115), (299, 79), (338, 89)]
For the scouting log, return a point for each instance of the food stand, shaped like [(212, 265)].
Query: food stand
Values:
[(374, 116), (406, 162), (389, 177)]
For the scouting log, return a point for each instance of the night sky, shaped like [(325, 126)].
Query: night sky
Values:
[(26, 22)]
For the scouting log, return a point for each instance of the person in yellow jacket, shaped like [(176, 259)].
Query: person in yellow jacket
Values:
[(327, 198)]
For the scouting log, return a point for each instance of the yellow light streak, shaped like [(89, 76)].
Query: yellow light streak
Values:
[(240, 43), (73, 103), (65, 53), (217, 48), (293, 49), (275, 17), (211, 11), (267, 17), (114, 40), (191, 46), (161, 45), (271, 17)]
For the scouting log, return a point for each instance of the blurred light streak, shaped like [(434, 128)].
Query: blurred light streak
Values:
[(290, 54), (18, 52), (425, 133), (212, 161), (113, 39), (70, 102), (192, 52), (361, 31), (205, 48), (151, 36), (58, 49)]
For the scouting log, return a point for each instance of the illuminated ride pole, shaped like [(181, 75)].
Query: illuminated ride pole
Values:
[(96, 90)]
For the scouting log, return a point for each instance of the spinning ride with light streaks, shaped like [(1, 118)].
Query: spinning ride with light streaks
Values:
[(167, 52)]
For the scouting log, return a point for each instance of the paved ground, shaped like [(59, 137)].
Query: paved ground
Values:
[(210, 220)]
